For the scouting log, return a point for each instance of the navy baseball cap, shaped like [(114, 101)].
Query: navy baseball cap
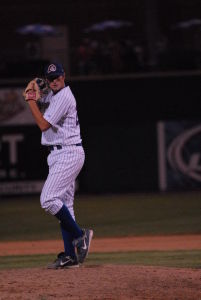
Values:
[(54, 70)]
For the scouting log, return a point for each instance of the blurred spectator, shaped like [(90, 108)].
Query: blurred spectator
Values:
[(107, 57), (83, 57), (32, 50), (132, 60)]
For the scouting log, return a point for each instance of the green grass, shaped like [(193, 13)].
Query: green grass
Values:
[(179, 259), (108, 215)]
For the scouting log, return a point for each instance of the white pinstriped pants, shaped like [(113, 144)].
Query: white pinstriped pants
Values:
[(64, 166)]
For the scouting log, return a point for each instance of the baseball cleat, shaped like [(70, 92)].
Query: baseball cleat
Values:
[(63, 262), (83, 244)]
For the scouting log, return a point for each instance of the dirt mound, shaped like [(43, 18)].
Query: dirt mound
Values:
[(101, 282)]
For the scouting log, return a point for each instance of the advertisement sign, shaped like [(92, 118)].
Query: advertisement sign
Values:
[(179, 155), (20, 149), (13, 109)]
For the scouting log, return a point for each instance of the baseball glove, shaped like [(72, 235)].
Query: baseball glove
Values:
[(36, 89)]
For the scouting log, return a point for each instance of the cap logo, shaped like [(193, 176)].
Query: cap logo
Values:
[(51, 68)]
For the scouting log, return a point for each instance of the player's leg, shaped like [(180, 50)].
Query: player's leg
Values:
[(81, 254), (68, 258), (69, 248), (61, 174), (64, 166)]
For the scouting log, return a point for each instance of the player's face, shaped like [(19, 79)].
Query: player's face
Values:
[(56, 84)]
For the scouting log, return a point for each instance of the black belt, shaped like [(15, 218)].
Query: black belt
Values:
[(58, 147)]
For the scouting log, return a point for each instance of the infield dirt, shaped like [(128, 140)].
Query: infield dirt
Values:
[(105, 282)]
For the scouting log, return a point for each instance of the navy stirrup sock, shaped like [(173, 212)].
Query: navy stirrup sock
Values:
[(68, 246), (68, 223)]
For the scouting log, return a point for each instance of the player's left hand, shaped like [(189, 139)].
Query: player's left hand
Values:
[(36, 89)]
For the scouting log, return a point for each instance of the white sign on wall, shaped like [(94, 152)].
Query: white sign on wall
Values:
[(13, 108), (179, 155)]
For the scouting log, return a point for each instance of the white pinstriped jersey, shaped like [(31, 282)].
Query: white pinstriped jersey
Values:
[(61, 113), (65, 163)]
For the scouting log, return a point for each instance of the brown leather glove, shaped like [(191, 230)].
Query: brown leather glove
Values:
[(36, 89)]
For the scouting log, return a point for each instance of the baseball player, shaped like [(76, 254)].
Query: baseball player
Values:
[(61, 134)]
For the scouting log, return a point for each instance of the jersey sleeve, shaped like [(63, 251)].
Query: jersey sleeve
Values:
[(58, 108)]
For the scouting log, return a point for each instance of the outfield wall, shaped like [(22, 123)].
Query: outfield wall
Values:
[(121, 120)]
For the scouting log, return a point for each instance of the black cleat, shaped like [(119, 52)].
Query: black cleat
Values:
[(63, 262), (83, 244)]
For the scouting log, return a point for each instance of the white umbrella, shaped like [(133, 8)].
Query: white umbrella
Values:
[(188, 24), (37, 29), (109, 24)]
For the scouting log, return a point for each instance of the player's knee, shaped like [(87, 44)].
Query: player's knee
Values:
[(50, 204), (45, 202)]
